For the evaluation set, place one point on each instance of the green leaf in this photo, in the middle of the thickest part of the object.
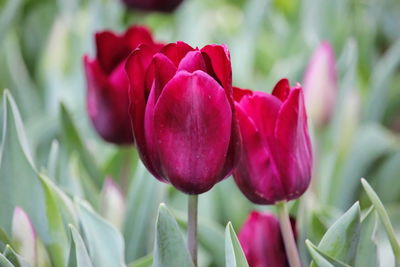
(7, 15)
(4, 262)
(320, 259)
(367, 249)
(384, 217)
(52, 160)
(74, 143)
(4, 237)
(341, 240)
(14, 258)
(19, 182)
(59, 247)
(140, 219)
(234, 255)
(146, 261)
(105, 243)
(170, 249)
(79, 256)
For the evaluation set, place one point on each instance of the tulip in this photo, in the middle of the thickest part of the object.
(262, 242)
(107, 84)
(113, 203)
(320, 85)
(276, 160)
(183, 114)
(24, 236)
(153, 5)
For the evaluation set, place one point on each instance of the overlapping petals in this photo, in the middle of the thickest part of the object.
(183, 114)
(276, 160)
(107, 83)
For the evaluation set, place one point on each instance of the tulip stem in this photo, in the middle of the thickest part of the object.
(192, 227)
(288, 236)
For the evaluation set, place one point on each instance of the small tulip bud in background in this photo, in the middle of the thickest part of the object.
(183, 117)
(107, 84)
(276, 161)
(320, 85)
(153, 5)
(24, 236)
(113, 203)
(262, 242)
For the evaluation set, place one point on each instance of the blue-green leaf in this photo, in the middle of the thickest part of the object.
(234, 255)
(170, 249)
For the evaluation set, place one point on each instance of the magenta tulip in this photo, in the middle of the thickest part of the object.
(183, 114)
(276, 160)
(153, 5)
(107, 83)
(262, 242)
(320, 85)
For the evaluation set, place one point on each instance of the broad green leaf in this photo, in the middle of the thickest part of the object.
(58, 249)
(74, 143)
(19, 182)
(320, 259)
(79, 256)
(341, 240)
(384, 217)
(105, 243)
(170, 249)
(4, 262)
(367, 248)
(210, 236)
(140, 219)
(146, 261)
(234, 255)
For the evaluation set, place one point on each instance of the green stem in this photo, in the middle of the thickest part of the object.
(288, 236)
(192, 227)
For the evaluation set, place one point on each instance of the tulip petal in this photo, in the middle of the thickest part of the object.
(217, 56)
(136, 66)
(159, 72)
(256, 174)
(176, 51)
(262, 242)
(192, 61)
(292, 146)
(192, 123)
(112, 49)
(282, 89)
(162, 70)
(239, 93)
(263, 109)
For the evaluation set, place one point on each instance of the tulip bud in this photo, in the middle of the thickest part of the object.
(262, 242)
(320, 85)
(153, 5)
(113, 203)
(276, 159)
(107, 84)
(24, 236)
(183, 117)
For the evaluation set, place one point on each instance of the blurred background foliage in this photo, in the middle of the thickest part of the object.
(41, 47)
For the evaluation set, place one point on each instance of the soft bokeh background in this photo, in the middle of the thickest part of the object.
(41, 47)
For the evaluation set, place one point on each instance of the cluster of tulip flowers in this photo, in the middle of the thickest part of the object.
(193, 128)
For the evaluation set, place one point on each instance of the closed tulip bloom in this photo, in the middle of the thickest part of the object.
(183, 114)
(262, 242)
(276, 159)
(153, 5)
(107, 84)
(320, 85)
